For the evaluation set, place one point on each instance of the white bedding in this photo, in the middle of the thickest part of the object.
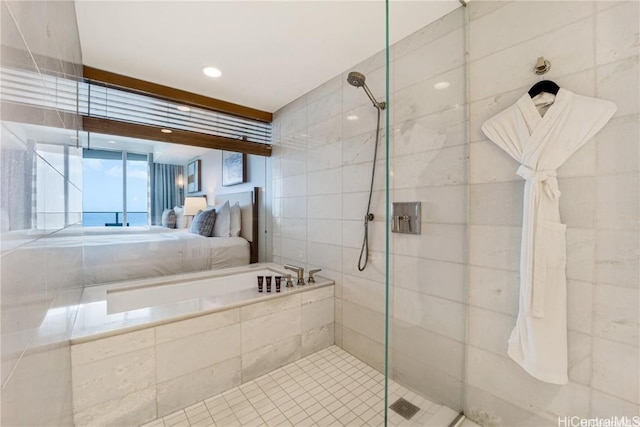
(114, 255)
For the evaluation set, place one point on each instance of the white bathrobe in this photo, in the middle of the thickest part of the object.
(541, 144)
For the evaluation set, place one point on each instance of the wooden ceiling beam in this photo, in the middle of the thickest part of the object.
(154, 133)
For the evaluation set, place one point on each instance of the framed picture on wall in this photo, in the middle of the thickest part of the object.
(233, 168)
(193, 176)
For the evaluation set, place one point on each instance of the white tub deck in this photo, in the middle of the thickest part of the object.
(112, 309)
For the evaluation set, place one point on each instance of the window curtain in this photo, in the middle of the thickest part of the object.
(165, 192)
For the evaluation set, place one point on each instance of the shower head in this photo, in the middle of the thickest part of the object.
(357, 79)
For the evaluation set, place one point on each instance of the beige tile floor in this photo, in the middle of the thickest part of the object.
(327, 388)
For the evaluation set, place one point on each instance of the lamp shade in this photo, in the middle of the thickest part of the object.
(194, 204)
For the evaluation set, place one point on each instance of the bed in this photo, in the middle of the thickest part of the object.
(111, 255)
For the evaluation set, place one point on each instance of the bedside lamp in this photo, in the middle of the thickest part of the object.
(194, 204)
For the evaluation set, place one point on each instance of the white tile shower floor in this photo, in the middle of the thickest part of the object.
(328, 388)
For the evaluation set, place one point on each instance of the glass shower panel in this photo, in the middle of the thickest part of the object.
(427, 273)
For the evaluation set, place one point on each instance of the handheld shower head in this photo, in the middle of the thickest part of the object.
(357, 79)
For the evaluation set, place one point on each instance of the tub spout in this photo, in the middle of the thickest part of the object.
(299, 271)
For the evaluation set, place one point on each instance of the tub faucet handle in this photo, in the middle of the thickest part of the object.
(311, 273)
(289, 281)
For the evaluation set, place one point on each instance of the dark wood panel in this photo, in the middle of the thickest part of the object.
(177, 95)
(134, 130)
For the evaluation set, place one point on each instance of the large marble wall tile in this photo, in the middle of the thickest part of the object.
(419, 65)
(438, 278)
(496, 203)
(133, 409)
(196, 325)
(617, 146)
(429, 33)
(363, 321)
(491, 411)
(616, 314)
(495, 246)
(617, 258)
(180, 356)
(618, 202)
(324, 157)
(497, 375)
(510, 68)
(185, 390)
(618, 82)
(317, 339)
(112, 378)
(265, 308)
(617, 34)
(265, 330)
(489, 330)
(326, 256)
(579, 355)
(364, 348)
(428, 348)
(271, 356)
(612, 369)
(579, 297)
(428, 381)
(489, 33)
(93, 351)
(605, 406)
(494, 289)
(317, 314)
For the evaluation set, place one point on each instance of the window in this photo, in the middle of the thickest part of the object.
(115, 188)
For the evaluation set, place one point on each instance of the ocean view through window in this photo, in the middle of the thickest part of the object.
(115, 183)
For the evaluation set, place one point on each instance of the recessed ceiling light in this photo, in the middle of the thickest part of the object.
(212, 72)
(184, 108)
(352, 117)
(441, 85)
(112, 142)
(166, 130)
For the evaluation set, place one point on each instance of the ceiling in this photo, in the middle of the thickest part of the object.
(269, 52)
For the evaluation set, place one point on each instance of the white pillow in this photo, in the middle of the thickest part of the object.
(222, 227)
(236, 220)
(181, 219)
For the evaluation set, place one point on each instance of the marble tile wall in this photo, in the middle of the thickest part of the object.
(139, 376)
(41, 194)
(593, 48)
(323, 159)
(454, 288)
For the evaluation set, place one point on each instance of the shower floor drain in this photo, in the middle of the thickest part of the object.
(405, 408)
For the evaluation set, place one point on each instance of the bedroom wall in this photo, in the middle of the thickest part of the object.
(41, 177)
(258, 168)
(471, 240)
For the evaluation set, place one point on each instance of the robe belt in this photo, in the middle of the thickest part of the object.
(549, 182)
(545, 177)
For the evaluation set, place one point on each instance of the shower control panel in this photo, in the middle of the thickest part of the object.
(406, 217)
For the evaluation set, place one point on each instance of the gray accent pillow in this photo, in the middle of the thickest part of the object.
(168, 218)
(203, 223)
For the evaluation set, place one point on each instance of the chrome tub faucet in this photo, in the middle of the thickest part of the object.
(299, 271)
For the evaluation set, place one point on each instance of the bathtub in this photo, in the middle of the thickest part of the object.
(145, 348)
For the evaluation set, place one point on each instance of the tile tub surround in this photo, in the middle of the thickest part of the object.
(135, 377)
(94, 321)
(327, 388)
